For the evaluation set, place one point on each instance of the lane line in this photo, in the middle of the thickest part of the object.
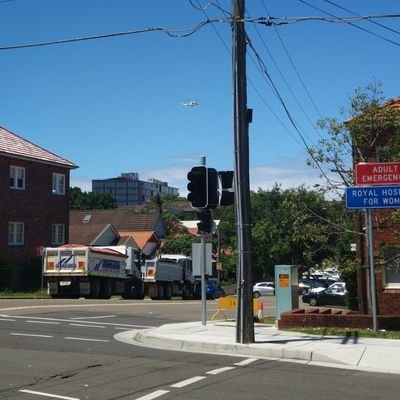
(30, 335)
(44, 322)
(153, 395)
(8, 319)
(219, 370)
(88, 322)
(85, 339)
(188, 382)
(88, 326)
(246, 362)
(100, 316)
(54, 396)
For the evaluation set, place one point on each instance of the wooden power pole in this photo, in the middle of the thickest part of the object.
(245, 321)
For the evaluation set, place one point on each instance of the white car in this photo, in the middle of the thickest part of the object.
(263, 289)
(339, 286)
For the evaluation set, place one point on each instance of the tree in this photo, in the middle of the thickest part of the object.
(79, 200)
(367, 121)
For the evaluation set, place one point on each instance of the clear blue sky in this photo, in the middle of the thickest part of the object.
(114, 105)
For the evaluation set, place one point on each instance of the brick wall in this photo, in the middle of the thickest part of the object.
(326, 317)
(36, 206)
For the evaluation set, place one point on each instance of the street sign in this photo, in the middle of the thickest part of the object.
(362, 197)
(378, 173)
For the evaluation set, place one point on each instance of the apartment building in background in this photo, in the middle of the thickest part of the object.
(129, 190)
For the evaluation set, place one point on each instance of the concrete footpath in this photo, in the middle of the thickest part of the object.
(219, 337)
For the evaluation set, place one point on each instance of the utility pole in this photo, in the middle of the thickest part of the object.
(245, 322)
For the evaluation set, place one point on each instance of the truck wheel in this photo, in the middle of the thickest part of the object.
(106, 289)
(167, 291)
(186, 292)
(95, 288)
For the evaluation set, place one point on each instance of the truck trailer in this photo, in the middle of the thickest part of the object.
(93, 272)
(167, 276)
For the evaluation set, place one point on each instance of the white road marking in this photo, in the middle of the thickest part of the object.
(100, 316)
(44, 322)
(246, 362)
(31, 335)
(8, 319)
(86, 322)
(188, 382)
(88, 326)
(54, 396)
(219, 370)
(85, 339)
(153, 395)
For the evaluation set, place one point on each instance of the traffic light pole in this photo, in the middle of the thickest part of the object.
(245, 322)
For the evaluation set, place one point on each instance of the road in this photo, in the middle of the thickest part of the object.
(64, 349)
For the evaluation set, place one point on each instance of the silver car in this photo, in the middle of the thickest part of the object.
(263, 289)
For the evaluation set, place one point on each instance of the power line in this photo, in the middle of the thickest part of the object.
(294, 66)
(345, 20)
(369, 20)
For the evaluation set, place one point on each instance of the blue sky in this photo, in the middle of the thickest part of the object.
(114, 105)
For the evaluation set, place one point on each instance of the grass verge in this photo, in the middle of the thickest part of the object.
(38, 294)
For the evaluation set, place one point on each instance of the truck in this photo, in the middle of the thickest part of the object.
(169, 275)
(93, 271)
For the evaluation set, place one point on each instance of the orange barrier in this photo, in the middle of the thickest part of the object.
(230, 303)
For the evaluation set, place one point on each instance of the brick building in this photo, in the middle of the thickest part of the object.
(34, 200)
(386, 237)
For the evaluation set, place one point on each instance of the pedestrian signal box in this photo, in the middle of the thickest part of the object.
(286, 289)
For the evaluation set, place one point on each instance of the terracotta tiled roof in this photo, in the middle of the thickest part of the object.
(395, 103)
(142, 238)
(123, 219)
(15, 146)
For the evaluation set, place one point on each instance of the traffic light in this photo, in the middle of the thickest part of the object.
(227, 193)
(198, 187)
(206, 223)
(212, 186)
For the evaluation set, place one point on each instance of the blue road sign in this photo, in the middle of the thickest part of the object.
(361, 197)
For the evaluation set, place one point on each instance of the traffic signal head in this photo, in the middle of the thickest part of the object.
(227, 193)
(198, 187)
(212, 188)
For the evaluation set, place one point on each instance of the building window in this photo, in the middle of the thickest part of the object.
(58, 234)
(17, 177)
(58, 184)
(15, 233)
(391, 270)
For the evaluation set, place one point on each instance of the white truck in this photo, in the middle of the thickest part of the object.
(167, 276)
(93, 272)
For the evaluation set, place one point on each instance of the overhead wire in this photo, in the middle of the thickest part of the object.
(351, 23)
(369, 20)
(293, 65)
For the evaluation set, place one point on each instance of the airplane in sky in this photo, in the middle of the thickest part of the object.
(190, 103)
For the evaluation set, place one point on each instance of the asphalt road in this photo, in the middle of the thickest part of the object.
(64, 349)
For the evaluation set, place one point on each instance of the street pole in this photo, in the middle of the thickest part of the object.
(371, 270)
(245, 322)
(203, 268)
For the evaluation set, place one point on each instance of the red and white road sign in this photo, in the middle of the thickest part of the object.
(376, 174)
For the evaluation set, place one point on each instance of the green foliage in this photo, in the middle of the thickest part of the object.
(79, 200)
(179, 245)
(296, 226)
(362, 124)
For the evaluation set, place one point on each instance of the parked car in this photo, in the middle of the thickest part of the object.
(306, 286)
(213, 290)
(336, 285)
(263, 289)
(325, 297)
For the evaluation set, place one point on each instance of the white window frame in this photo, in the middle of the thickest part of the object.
(17, 177)
(16, 233)
(57, 234)
(58, 186)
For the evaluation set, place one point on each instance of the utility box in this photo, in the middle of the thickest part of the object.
(286, 288)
